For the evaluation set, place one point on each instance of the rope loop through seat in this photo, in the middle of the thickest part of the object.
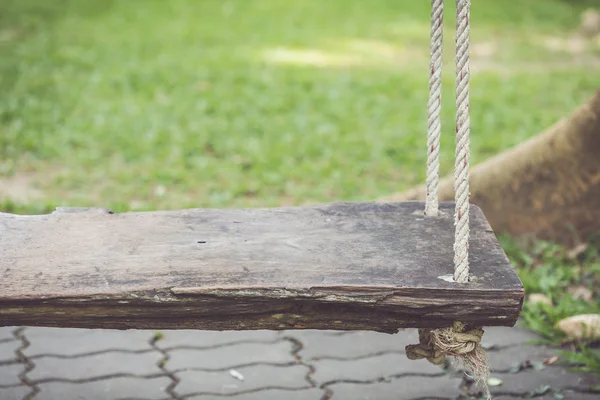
(455, 340)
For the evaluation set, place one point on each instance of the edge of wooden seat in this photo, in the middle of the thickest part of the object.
(332, 266)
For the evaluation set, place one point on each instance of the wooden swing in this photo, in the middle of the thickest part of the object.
(344, 266)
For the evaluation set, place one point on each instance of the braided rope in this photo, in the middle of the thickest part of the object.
(434, 106)
(457, 340)
(461, 171)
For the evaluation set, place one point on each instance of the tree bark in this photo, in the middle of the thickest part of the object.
(547, 187)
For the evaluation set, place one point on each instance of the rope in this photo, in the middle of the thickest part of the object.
(425, 349)
(435, 344)
(434, 106)
(461, 169)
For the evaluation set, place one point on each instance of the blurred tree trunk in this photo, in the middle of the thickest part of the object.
(547, 187)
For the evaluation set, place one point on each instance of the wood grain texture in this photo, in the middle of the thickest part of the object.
(373, 266)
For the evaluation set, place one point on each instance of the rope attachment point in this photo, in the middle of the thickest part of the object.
(458, 341)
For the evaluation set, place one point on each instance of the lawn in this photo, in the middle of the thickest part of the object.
(140, 105)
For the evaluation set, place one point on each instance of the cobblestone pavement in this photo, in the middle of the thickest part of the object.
(65, 364)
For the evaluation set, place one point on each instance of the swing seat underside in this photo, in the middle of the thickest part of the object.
(342, 266)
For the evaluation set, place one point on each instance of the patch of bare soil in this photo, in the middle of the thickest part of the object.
(21, 187)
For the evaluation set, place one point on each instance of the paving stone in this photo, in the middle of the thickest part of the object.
(95, 366)
(568, 395)
(195, 338)
(370, 368)
(7, 350)
(232, 356)
(115, 388)
(356, 344)
(325, 332)
(6, 332)
(503, 336)
(556, 377)
(67, 341)
(504, 359)
(272, 394)
(14, 393)
(255, 377)
(403, 388)
(9, 374)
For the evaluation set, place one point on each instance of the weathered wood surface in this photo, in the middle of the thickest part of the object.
(373, 266)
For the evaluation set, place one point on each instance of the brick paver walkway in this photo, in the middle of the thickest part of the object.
(65, 364)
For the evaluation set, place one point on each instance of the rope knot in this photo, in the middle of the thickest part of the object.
(425, 349)
(435, 344)
(454, 341)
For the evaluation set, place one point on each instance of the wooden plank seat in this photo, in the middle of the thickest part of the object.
(344, 266)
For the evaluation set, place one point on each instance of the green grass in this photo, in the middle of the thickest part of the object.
(551, 270)
(132, 104)
(255, 103)
(546, 268)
